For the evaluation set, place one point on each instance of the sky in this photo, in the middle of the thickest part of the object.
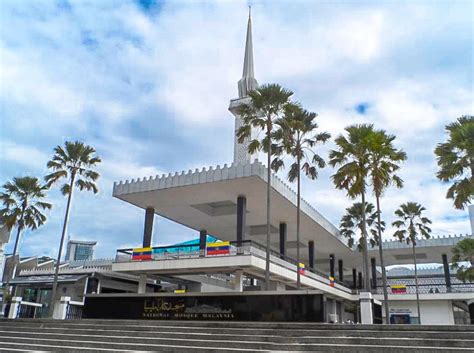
(148, 84)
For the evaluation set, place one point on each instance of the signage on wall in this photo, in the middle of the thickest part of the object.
(218, 248)
(140, 254)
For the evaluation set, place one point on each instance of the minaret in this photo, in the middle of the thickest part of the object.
(246, 84)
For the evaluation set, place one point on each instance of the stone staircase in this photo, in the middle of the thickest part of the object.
(192, 336)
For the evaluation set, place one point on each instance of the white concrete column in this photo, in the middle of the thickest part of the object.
(14, 307)
(142, 283)
(239, 281)
(60, 310)
(280, 287)
(331, 308)
(366, 315)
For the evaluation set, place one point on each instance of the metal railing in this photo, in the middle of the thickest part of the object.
(74, 310)
(427, 285)
(30, 310)
(245, 247)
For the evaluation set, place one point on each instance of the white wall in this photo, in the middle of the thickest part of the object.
(433, 312)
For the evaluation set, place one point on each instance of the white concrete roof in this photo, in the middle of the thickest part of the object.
(206, 199)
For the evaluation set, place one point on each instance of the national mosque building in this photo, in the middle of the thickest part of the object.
(220, 275)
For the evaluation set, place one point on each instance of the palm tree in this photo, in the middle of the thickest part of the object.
(23, 204)
(463, 252)
(266, 105)
(352, 223)
(384, 162)
(297, 137)
(456, 161)
(352, 157)
(74, 162)
(410, 224)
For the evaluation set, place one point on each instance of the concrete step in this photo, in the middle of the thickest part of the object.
(187, 336)
(262, 325)
(242, 340)
(142, 330)
(60, 345)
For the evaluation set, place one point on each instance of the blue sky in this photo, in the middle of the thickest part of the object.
(148, 84)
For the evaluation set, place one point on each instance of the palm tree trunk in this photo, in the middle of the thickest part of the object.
(13, 265)
(298, 206)
(364, 247)
(58, 261)
(15, 248)
(416, 285)
(269, 175)
(382, 265)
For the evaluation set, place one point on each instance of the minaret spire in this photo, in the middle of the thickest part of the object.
(248, 82)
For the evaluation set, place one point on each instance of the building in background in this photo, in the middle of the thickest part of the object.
(79, 250)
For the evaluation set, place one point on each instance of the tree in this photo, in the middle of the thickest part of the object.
(296, 135)
(352, 159)
(23, 205)
(266, 105)
(75, 163)
(384, 162)
(463, 253)
(456, 161)
(352, 223)
(410, 224)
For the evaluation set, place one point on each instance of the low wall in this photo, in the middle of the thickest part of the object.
(238, 307)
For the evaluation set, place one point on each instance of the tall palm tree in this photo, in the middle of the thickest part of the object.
(352, 223)
(352, 159)
(75, 163)
(297, 137)
(410, 224)
(266, 105)
(384, 162)
(456, 161)
(463, 252)
(23, 204)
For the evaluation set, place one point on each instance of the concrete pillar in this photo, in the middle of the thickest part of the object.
(283, 235)
(148, 228)
(241, 219)
(340, 267)
(202, 242)
(311, 254)
(471, 312)
(14, 307)
(447, 275)
(354, 278)
(60, 310)
(366, 315)
(331, 265)
(142, 283)
(374, 272)
(331, 311)
(361, 283)
(280, 287)
(239, 281)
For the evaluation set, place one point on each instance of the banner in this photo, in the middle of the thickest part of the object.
(141, 254)
(301, 268)
(398, 288)
(218, 248)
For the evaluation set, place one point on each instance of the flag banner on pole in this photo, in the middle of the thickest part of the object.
(398, 288)
(218, 248)
(141, 254)
(331, 281)
(301, 268)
